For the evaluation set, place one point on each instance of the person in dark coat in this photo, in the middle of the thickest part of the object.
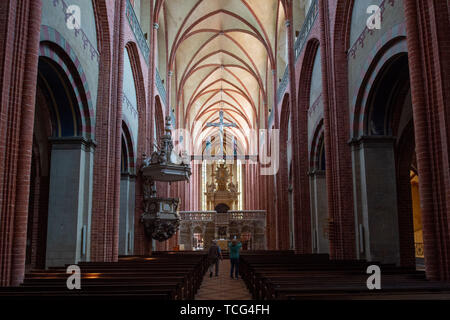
(214, 255)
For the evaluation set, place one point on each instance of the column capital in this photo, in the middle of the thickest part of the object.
(372, 141)
(72, 143)
(287, 23)
(156, 26)
(316, 173)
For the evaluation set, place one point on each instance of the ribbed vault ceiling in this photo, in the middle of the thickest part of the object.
(221, 53)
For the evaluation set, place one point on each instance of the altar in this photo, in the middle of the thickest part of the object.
(222, 244)
(222, 191)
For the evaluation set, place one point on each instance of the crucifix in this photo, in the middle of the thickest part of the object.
(221, 125)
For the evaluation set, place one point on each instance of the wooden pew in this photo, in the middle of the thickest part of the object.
(315, 276)
(163, 276)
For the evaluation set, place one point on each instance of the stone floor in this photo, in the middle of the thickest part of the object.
(222, 287)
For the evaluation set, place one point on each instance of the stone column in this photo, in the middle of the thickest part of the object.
(105, 213)
(197, 193)
(19, 46)
(319, 212)
(336, 133)
(123, 223)
(69, 205)
(275, 213)
(427, 25)
(168, 93)
(377, 216)
(131, 212)
(127, 208)
(291, 217)
(301, 197)
(282, 199)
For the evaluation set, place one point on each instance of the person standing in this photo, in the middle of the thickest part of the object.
(234, 247)
(214, 255)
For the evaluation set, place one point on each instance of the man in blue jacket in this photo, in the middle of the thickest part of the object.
(234, 247)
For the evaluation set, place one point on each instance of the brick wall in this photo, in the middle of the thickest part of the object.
(19, 48)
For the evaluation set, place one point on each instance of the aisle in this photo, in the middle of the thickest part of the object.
(222, 287)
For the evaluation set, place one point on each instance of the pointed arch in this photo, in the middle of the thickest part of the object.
(128, 154)
(56, 48)
(138, 76)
